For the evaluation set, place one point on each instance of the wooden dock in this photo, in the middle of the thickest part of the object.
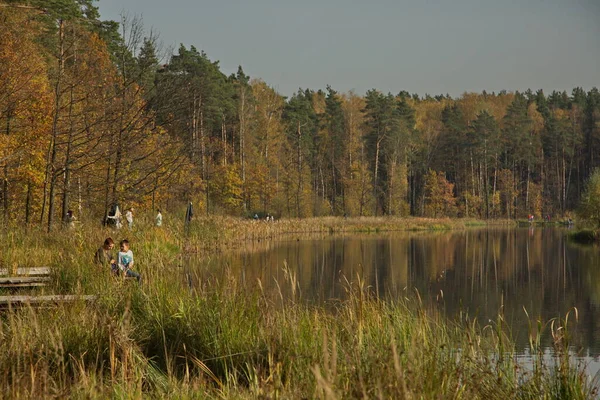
(33, 278)
(24, 278)
(37, 271)
(23, 281)
(48, 300)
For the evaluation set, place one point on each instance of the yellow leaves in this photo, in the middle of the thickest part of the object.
(260, 187)
(226, 185)
(428, 116)
(561, 114)
(24, 94)
(536, 118)
(439, 195)
(352, 106)
(471, 104)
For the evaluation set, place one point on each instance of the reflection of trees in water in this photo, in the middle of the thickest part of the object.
(479, 271)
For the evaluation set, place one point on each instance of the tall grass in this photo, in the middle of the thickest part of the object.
(165, 339)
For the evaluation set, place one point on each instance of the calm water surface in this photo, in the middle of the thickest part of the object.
(474, 271)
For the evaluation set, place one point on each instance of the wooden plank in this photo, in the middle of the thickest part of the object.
(36, 271)
(22, 285)
(23, 279)
(15, 301)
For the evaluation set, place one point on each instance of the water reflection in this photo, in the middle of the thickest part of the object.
(478, 271)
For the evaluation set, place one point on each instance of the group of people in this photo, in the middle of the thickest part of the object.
(530, 218)
(114, 217)
(122, 264)
(269, 217)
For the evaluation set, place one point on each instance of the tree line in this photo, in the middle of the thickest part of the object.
(91, 114)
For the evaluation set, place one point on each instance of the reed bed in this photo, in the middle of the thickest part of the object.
(224, 232)
(166, 339)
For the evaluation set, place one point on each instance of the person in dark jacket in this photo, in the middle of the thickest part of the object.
(104, 256)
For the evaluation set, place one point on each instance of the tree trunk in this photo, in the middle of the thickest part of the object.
(242, 121)
(391, 177)
(117, 166)
(527, 189)
(472, 175)
(299, 185)
(375, 180)
(67, 165)
(53, 145)
(203, 149)
(224, 141)
(194, 143)
(485, 183)
(107, 178)
(28, 203)
(363, 181)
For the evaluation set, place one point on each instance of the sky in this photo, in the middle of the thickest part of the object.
(422, 46)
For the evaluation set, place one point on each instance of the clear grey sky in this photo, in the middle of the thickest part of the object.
(423, 46)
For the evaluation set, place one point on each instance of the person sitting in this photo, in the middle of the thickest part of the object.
(104, 255)
(125, 261)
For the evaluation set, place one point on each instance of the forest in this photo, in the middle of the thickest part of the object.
(93, 113)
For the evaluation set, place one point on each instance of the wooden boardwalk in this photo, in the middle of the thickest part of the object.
(23, 281)
(47, 300)
(32, 278)
(37, 271)
(25, 277)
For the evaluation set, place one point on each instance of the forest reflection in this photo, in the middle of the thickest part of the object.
(477, 271)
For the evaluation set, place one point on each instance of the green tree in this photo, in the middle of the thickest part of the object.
(335, 150)
(195, 104)
(383, 138)
(520, 144)
(243, 100)
(589, 207)
(452, 153)
(358, 191)
(147, 61)
(592, 129)
(484, 141)
(301, 123)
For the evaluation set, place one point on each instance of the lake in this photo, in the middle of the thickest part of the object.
(479, 271)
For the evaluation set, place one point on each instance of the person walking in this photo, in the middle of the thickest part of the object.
(70, 219)
(129, 217)
(114, 217)
(159, 218)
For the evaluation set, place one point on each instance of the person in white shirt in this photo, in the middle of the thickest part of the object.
(158, 218)
(114, 217)
(129, 217)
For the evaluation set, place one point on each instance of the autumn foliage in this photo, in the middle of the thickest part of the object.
(90, 116)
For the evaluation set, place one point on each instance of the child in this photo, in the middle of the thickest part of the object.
(125, 261)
